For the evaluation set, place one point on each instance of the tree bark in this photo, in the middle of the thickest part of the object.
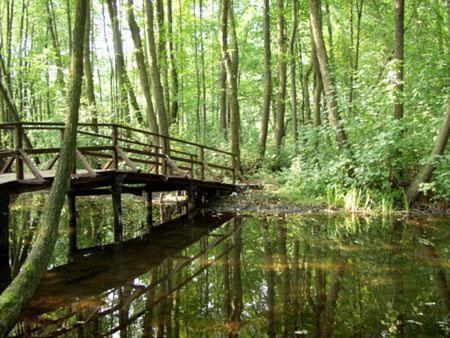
(281, 104)
(305, 92)
(231, 82)
(294, 74)
(15, 297)
(173, 66)
(162, 54)
(328, 82)
(267, 81)
(123, 82)
(318, 86)
(142, 69)
(399, 56)
(154, 70)
(55, 43)
(87, 67)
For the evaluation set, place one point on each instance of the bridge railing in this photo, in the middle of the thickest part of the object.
(110, 146)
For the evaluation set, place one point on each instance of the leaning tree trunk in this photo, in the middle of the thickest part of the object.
(15, 297)
(328, 83)
(267, 82)
(426, 171)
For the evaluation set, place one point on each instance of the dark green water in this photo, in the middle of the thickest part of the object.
(247, 276)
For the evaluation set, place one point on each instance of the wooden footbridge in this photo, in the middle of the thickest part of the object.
(108, 152)
(111, 159)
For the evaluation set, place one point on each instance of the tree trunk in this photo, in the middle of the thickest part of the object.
(305, 92)
(281, 104)
(162, 54)
(15, 297)
(231, 81)
(55, 43)
(399, 53)
(318, 86)
(123, 82)
(143, 75)
(293, 72)
(330, 90)
(267, 81)
(87, 67)
(173, 66)
(154, 70)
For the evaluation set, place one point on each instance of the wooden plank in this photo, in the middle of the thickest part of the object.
(85, 163)
(124, 157)
(24, 156)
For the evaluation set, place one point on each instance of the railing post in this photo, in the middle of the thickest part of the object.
(115, 142)
(202, 164)
(191, 171)
(19, 145)
(233, 163)
(164, 152)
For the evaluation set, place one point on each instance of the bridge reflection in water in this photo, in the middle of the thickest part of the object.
(121, 283)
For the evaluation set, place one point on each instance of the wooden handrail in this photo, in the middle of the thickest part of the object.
(113, 142)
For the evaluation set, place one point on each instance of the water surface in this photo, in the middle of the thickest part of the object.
(247, 276)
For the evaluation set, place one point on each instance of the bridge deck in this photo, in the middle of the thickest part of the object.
(134, 182)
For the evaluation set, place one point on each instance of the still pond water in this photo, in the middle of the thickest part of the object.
(247, 276)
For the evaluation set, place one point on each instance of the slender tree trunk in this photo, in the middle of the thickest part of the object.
(53, 33)
(231, 81)
(173, 65)
(267, 81)
(162, 54)
(197, 77)
(293, 72)
(154, 70)
(87, 67)
(223, 101)
(202, 69)
(305, 91)
(143, 74)
(281, 104)
(328, 82)
(15, 297)
(399, 56)
(318, 86)
(123, 82)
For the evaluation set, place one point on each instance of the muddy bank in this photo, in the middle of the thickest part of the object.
(257, 201)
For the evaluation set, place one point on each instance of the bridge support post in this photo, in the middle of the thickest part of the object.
(190, 202)
(149, 209)
(72, 209)
(5, 269)
(117, 211)
(19, 145)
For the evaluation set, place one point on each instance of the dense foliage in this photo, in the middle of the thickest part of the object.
(384, 153)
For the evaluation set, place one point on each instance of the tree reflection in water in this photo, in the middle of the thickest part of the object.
(227, 276)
